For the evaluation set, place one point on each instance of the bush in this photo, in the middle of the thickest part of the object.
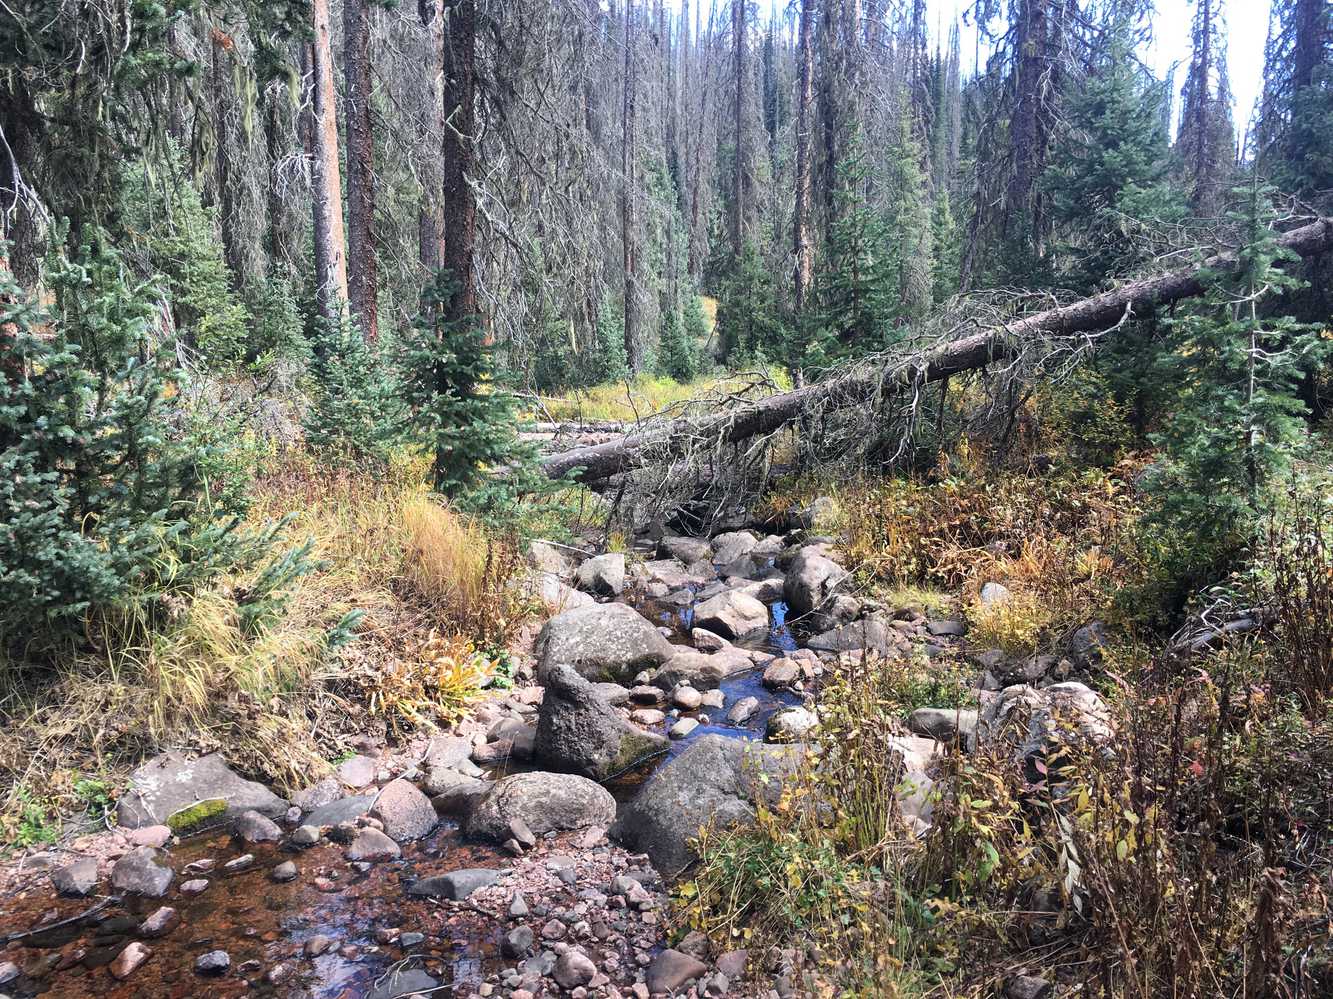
(677, 354)
(355, 416)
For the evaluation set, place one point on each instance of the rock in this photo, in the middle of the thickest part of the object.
(743, 710)
(160, 922)
(732, 614)
(154, 836)
(129, 960)
(317, 945)
(196, 886)
(547, 802)
(602, 642)
(686, 698)
(518, 943)
(701, 671)
(455, 885)
(612, 693)
(791, 724)
(729, 547)
(453, 793)
(1028, 723)
(405, 812)
(1027, 987)
(358, 772)
(781, 674)
(518, 905)
(343, 810)
(327, 790)
(946, 629)
(733, 963)
(305, 836)
(647, 717)
(1086, 644)
(400, 982)
(686, 550)
(284, 872)
(212, 964)
(993, 594)
(874, 633)
(945, 724)
(671, 969)
(707, 641)
(683, 728)
(9, 971)
(811, 578)
(715, 779)
(714, 699)
(255, 828)
(603, 575)
(445, 753)
(573, 968)
(171, 784)
(555, 594)
(139, 872)
(77, 879)
(552, 559)
(371, 844)
(579, 732)
(242, 863)
(1027, 670)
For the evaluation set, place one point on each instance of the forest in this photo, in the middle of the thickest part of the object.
(679, 498)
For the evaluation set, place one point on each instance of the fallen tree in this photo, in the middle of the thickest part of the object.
(1084, 318)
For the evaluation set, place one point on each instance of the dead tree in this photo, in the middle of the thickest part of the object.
(362, 277)
(326, 182)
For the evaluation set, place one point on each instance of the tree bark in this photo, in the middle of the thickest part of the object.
(804, 101)
(627, 195)
(460, 202)
(362, 276)
(738, 127)
(1089, 315)
(326, 182)
(429, 236)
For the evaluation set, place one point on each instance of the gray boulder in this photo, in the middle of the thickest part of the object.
(700, 670)
(342, 810)
(140, 872)
(732, 615)
(686, 550)
(452, 793)
(603, 575)
(1027, 723)
(811, 579)
(77, 879)
(579, 732)
(715, 780)
(546, 802)
(255, 828)
(945, 724)
(729, 547)
(172, 782)
(405, 812)
(456, 885)
(552, 560)
(602, 642)
(874, 633)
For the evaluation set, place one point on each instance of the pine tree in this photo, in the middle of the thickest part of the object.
(749, 328)
(677, 352)
(1206, 140)
(355, 415)
(1295, 130)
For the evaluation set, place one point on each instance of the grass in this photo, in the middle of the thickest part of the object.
(646, 395)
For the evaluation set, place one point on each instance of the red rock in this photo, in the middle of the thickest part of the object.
(161, 922)
(128, 961)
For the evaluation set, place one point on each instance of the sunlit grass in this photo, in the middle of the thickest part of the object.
(645, 395)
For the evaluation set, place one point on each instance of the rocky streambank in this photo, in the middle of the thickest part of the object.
(527, 853)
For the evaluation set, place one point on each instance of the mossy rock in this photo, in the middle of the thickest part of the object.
(194, 817)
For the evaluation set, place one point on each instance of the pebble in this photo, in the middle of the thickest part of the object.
(161, 922)
(215, 962)
(317, 945)
(196, 886)
(129, 960)
(241, 863)
(284, 872)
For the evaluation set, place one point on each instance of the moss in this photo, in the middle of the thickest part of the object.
(193, 817)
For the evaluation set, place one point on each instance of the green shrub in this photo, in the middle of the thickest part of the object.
(355, 416)
(678, 354)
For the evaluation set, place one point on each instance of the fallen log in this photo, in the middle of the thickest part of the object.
(1084, 317)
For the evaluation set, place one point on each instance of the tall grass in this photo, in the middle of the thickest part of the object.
(642, 396)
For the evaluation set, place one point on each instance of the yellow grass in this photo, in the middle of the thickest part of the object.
(646, 395)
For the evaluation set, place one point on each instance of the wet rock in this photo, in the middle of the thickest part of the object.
(811, 579)
(701, 671)
(707, 641)
(372, 845)
(547, 802)
(732, 614)
(212, 964)
(456, 885)
(196, 886)
(782, 674)
(306, 835)
(154, 836)
(743, 710)
(317, 945)
(791, 724)
(683, 728)
(280, 973)
(284, 872)
(411, 940)
(645, 694)
(343, 810)
(647, 717)
(603, 575)
(130, 960)
(671, 969)
(731, 546)
(1027, 987)
(579, 732)
(944, 724)
(140, 872)
(405, 812)
(603, 642)
(713, 699)
(686, 698)
(573, 968)
(9, 971)
(255, 828)
(160, 922)
(715, 778)
(173, 783)
(518, 943)
(77, 879)
(453, 793)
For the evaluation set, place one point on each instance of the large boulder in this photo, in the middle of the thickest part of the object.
(404, 811)
(602, 642)
(874, 633)
(715, 780)
(1029, 724)
(578, 730)
(811, 579)
(546, 802)
(603, 575)
(172, 783)
(729, 547)
(732, 615)
(686, 550)
(701, 670)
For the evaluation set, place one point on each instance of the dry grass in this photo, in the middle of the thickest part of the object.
(646, 395)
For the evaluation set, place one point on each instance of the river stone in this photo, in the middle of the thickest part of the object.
(781, 674)
(343, 810)
(579, 732)
(318, 794)
(743, 710)
(215, 962)
(683, 728)
(140, 873)
(9, 971)
(602, 642)
(160, 922)
(129, 960)
(358, 772)
(729, 547)
(573, 968)
(812, 578)
(172, 782)
(401, 982)
(686, 550)
(603, 575)
(707, 641)
(732, 614)
(701, 670)
(549, 558)
(873, 633)
(686, 698)
(518, 943)
(945, 724)
(371, 844)
(946, 629)
(1086, 645)
(255, 828)
(284, 872)
(456, 885)
(647, 717)
(1027, 723)
(791, 724)
(715, 779)
(405, 812)
(670, 573)
(77, 879)
(556, 594)
(547, 802)
(671, 969)
(454, 793)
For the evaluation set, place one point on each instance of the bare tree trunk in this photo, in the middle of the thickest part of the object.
(428, 215)
(804, 100)
(738, 173)
(460, 201)
(282, 229)
(1097, 313)
(225, 142)
(362, 279)
(627, 196)
(326, 182)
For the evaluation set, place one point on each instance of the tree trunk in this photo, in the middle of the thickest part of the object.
(460, 202)
(804, 101)
(326, 182)
(362, 278)
(738, 127)
(428, 215)
(627, 195)
(1089, 315)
